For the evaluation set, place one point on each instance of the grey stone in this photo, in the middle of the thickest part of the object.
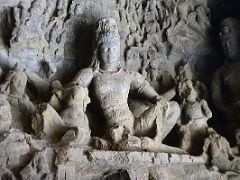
(74, 105)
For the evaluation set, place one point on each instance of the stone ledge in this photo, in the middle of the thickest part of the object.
(142, 157)
(79, 163)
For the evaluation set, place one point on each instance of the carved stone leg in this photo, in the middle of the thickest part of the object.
(170, 119)
(162, 116)
(119, 131)
(120, 124)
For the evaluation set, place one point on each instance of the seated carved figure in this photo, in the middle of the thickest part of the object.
(225, 84)
(195, 114)
(110, 86)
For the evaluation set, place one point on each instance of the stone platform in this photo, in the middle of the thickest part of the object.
(74, 163)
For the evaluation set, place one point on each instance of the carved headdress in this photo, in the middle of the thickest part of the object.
(106, 31)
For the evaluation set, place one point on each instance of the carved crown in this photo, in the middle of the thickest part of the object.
(107, 29)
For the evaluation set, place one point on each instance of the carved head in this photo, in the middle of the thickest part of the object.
(107, 50)
(15, 83)
(187, 91)
(230, 38)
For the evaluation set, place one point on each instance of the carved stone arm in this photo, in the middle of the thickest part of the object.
(206, 109)
(83, 78)
(147, 91)
(169, 94)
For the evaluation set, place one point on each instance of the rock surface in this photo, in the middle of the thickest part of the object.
(99, 89)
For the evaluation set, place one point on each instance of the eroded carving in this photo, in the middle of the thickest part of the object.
(111, 85)
(38, 168)
(195, 114)
(22, 108)
(225, 88)
(110, 99)
(218, 152)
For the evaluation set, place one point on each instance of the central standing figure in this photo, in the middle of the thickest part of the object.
(110, 86)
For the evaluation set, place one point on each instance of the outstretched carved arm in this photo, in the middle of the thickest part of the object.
(206, 110)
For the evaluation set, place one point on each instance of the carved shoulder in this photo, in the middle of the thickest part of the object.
(136, 77)
(83, 77)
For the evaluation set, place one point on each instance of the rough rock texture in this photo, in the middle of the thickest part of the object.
(133, 165)
(48, 36)
(123, 97)
(5, 114)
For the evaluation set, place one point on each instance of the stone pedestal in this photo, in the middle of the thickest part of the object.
(75, 163)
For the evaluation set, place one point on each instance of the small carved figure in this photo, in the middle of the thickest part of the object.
(74, 116)
(71, 124)
(110, 84)
(195, 114)
(184, 73)
(22, 108)
(57, 95)
(225, 83)
(217, 152)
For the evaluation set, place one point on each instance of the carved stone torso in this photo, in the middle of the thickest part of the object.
(195, 116)
(111, 89)
(111, 92)
(231, 79)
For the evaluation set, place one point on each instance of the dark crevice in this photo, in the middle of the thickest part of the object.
(8, 22)
(68, 10)
(119, 175)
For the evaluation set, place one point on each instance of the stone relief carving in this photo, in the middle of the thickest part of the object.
(111, 85)
(224, 85)
(195, 114)
(120, 112)
(220, 154)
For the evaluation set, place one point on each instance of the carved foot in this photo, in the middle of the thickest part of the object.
(151, 145)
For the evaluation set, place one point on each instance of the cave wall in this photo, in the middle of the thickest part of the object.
(51, 37)
(54, 39)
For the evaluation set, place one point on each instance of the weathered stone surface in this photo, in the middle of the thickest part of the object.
(37, 168)
(221, 154)
(5, 114)
(143, 165)
(48, 124)
(126, 102)
(6, 174)
(13, 144)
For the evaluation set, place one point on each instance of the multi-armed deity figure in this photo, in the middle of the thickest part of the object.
(110, 85)
(225, 85)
